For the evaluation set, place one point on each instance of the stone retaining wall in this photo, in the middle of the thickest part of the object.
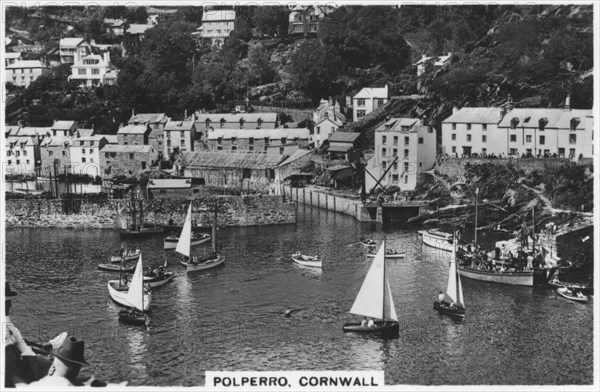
(309, 196)
(79, 213)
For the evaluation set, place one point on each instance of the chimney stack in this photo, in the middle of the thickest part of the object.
(185, 116)
(454, 110)
(568, 102)
(132, 112)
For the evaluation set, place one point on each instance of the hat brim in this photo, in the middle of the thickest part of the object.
(68, 361)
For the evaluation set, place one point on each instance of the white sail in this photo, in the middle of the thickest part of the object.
(135, 294)
(461, 300)
(454, 289)
(390, 309)
(370, 298)
(185, 239)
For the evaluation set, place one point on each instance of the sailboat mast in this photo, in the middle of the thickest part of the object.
(533, 229)
(384, 282)
(476, 205)
(214, 227)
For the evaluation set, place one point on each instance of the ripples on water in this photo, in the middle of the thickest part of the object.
(231, 318)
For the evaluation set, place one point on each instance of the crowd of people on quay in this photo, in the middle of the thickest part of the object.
(32, 365)
(503, 260)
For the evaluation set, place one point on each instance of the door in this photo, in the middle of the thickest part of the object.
(143, 165)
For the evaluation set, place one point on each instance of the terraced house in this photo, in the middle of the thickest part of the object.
(85, 155)
(55, 154)
(22, 154)
(118, 159)
(257, 140)
(179, 136)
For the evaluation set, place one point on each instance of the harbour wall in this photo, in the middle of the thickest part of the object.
(101, 214)
(342, 205)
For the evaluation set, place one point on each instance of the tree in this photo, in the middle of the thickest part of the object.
(138, 15)
(315, 69)
(260, 68)
(271, 21)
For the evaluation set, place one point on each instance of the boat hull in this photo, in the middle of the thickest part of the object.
(117, 259)
(390, 256)
(564, 292)
(115, 268)
(388, 328)
(368, 245)
(442, 242)
(201, 266)
(524, 278)
(120, 297)
(585, 289)
(454, 312)
(171, 243)
(144, 232)
(308, 263)
(154, 282)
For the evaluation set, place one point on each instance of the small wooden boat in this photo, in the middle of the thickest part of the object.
(170, 243)
(518, 278)
(375, 300)
(453, 303)
(116, 268)
(584, 288)
(573, 295)
(128, 256)
(368, 242)
(437, 239)
(132, 316)
(204, 264)
(158, 277)
(307, 261)
(136, 295)
(389, 255)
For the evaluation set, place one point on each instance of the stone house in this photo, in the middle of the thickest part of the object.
(173, 188)
(289, 168)
(255, 140)
(208, 121)
(63, 128)
(368, 99)
(55, 154)
(305, 19)
(439, 62)
(134, 135)
(342, 143)
(179, 136)
(85, 155)
(118, 159)
(22, 154)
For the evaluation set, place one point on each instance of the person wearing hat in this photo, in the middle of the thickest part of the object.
(65, 368)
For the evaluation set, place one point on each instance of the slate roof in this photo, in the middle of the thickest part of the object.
(295, 156)
(215, 118)
(396, 124)
(235, 160)
(344, 137)
(170, 183)
(476, 115)
(64, 125)
(133, 129)
(148, 118)
(120, 148)
(556, 118)
(26, 64)
(173, 125)
(276, 133)
(372, 92)
(57, 141)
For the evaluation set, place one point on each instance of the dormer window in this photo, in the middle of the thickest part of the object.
(207, 123)
(241, 123)
(223, 123)
(514, 122)
(259, 123)
(234, 140)
(574, 123)
(542, 123)
(283, 140)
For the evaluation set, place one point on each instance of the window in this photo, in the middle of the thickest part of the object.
(528, 138)
(468, 138)
(383, 152)
(234, 140)
(131, 156)
(283, 140)
(219, 148)
(83, 160)
(484, 127)
(406, 140)
(395, 167)
(542, 139)
(513, 138)
(233, 148)
(259, 123)
(91, 150)
(484, 138)
(406, 179)
(513, 151)
(182, 144)
(50, 153)
(384, 165)
(24, 153)
(361, 113)
(241, 123)
(81, 143)
(395, 152)
(64, 153)
(420, 140)
(91, 143)
(514, 122)
(250, 148)
(542, 123)
(360, 102)
(91, 160)
(223, 123)
(454, 136)
(573, 139)
(81, 71)
(454, 149)
(266, 141)
(83, 150)
(484, 151)
(394, 177)
(251, 141)
(168, 142)
(168, 134)
(27, 161)
(95, 71)
(281, 149)
(182, 134)
(380, 101)
(571, 152)
(219, 141)
(383, 139)
(318, 130)
(405, 167)
(468, 126)
(395, 140)
(529, 151)
(406, 154)
(454, 126)
(106, 155)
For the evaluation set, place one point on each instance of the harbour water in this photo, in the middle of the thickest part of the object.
(232, 318)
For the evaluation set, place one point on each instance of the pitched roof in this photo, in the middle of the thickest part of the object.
(476, 115)
(57, 141)
(111, 139)
(170, 183)
(235, 118)
(397, 124)
(295, 156)
(372, 92)
(237, 160)
(135, 129)
(61, 124)
(276, 133)
(148, 118)
(12, 130)
(70, 41)
(336, 121)
(114, 22)
(12, 55)
(34, 131)
(90, 138)
(138, 28)
(344, 137)
(339, 147)
(556, 118)
(26, 64)
(28, 141)
(185, 125)
(85, 132)
(120, 148)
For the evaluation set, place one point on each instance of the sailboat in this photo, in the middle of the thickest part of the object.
(456, 306)
(375, 300)
(184, 245)
(136, 297)
(138, 229)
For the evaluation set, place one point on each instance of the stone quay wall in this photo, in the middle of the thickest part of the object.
(83, 213)
(311, 197)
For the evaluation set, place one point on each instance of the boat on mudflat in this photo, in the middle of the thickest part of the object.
(307, 261)
(573, 295)
(437, 239)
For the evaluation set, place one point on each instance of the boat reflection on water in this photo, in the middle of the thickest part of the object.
(137, 349)
(367, 351)
(309, 272)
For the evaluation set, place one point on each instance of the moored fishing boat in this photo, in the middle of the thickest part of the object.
(136, 229)
(518, 278)
(136, 296)
(555, 282)
(368, 242)
(191, 262)
(130, 255)
(158, 277)
(375, 300)
(307, 261)
(437, 239)
(389, 255)
(452, 303)
(573, 295)
(116, 268)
